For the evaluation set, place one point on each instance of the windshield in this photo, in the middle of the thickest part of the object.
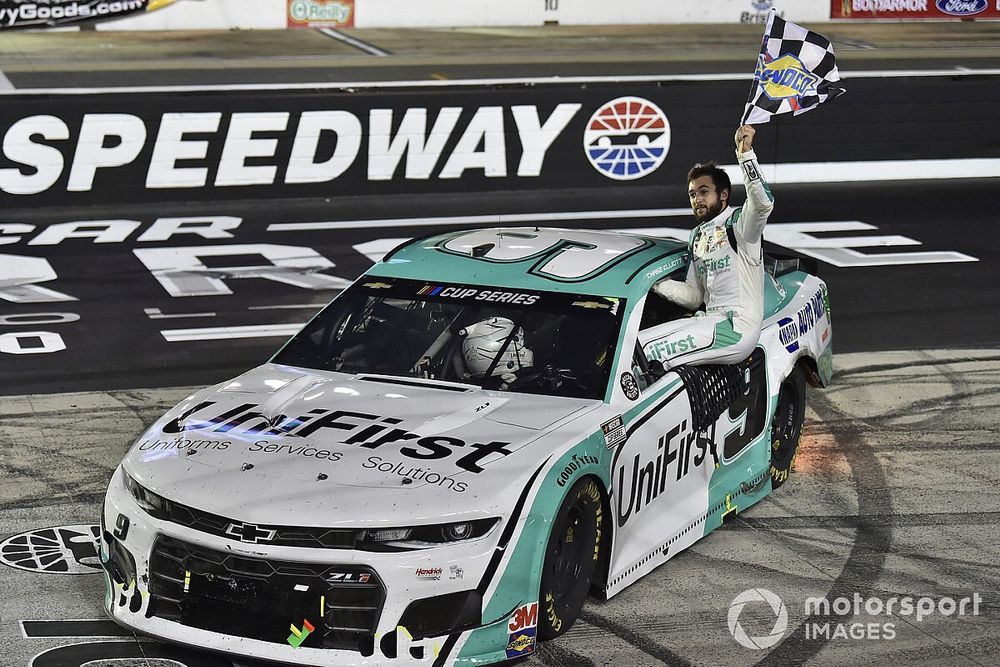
(548, 343)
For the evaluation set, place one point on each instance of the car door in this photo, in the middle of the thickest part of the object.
(660, 476)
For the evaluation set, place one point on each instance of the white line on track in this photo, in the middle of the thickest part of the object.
(874, 170)
(224, 333)
(356, 43)
(500, 219)
(434, 83)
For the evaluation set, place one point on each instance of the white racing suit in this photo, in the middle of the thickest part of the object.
(726, 273)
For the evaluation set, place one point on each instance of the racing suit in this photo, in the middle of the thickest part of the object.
(726, 273)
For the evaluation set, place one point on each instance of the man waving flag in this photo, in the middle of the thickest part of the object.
(795, 72)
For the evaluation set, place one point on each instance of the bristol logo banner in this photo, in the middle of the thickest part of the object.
(57, 550)
(627, 138)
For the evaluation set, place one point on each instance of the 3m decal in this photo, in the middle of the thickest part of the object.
(523, 630)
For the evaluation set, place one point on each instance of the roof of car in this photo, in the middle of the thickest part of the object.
(537, 258)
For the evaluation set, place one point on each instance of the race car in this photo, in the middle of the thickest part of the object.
(450, 456)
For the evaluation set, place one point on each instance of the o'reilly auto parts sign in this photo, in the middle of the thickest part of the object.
(138, 147)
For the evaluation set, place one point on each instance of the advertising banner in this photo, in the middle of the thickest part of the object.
(53, 13)
(915, 10)
(320, 13)
(244, 144)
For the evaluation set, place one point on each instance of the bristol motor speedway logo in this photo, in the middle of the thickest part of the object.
(627, 138)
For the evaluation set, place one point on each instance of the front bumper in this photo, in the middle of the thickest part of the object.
(308, 606)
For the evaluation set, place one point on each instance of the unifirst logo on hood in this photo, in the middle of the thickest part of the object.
(358, 429)
(216, 149)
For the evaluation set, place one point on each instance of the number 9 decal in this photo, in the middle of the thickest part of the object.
(565, 256)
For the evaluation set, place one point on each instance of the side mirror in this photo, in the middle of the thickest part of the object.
(656, 369)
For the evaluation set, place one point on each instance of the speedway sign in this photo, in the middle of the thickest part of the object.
(52, 13)
(97, 149)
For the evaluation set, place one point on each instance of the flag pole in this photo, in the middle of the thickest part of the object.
(747, 108)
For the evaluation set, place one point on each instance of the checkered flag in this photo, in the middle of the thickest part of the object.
(795, 72)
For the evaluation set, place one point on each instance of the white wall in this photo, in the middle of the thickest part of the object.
(206, 15)
(470, 13)
(263, 14)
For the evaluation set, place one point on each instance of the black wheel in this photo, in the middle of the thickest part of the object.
(786, 426)
(571, 556)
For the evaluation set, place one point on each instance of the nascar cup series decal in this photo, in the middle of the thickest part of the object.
(627, 138)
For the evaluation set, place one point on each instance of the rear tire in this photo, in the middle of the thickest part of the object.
(786, 426)
(571, 557)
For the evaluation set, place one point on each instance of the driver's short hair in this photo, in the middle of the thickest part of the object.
(719, 177)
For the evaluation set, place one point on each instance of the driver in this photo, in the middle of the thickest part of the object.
(726, 271)
(483, 343)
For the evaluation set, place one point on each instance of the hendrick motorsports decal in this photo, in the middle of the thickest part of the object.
(45, 13)
(630, 386)
(58, 550)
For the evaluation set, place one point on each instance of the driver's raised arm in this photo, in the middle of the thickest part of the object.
(760, 201)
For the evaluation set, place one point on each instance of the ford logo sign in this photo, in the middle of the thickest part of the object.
(962, 7)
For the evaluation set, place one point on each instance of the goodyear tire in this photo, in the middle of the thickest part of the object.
(571, 557)
(786, 426)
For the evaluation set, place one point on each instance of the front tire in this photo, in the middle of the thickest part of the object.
(786, 426)
(571, 557)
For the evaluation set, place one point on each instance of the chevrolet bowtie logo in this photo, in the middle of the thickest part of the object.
(252, 533)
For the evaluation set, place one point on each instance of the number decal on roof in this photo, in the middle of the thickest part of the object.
(566, 256)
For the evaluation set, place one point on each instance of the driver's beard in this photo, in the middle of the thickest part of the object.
(711, 212)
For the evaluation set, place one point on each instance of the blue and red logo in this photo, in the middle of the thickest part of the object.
(627, 138)
(962, 7)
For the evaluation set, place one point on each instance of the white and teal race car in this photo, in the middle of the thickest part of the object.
(444, 462)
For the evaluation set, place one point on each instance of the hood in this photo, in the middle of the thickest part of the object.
(290, 446)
